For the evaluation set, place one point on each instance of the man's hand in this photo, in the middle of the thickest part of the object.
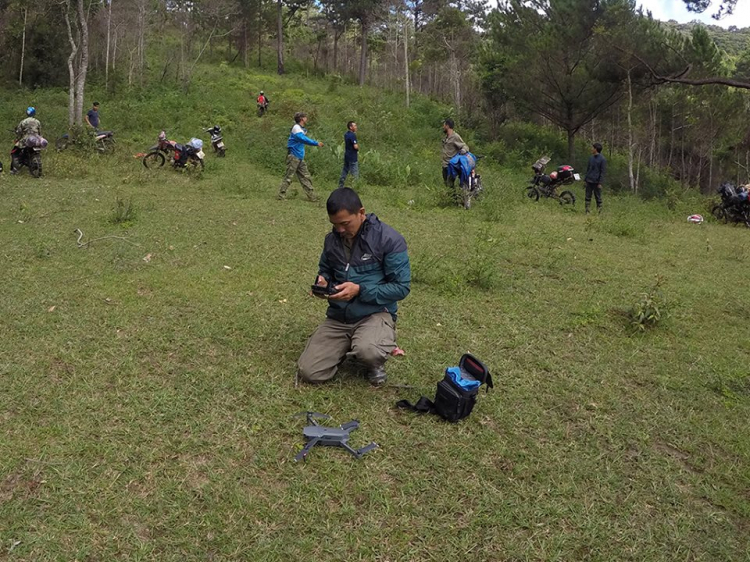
(599, 186)
(346, 292)
(320, 282)
(320, 143)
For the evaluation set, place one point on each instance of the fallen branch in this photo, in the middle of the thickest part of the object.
(85, 244)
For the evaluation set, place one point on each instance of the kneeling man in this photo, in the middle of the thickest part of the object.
(367, 264)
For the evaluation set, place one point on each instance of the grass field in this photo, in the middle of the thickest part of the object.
(147, 379)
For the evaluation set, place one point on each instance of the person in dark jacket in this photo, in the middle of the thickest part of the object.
(368, 264)
(595, 176)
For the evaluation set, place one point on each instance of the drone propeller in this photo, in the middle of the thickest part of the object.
(311, 416)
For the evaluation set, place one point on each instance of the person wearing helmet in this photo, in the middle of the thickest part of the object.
(263, 100)
(27, 127)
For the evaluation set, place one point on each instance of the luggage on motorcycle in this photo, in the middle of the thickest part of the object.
(564, 172)
(36, 141)
(197, 144)
(539, 165)
(727, 190)
(457, 392)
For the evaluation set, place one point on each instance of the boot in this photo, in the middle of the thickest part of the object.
(376, 376)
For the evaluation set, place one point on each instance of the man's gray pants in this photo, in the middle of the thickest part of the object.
(369, 341)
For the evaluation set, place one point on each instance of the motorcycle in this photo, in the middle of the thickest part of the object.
(734, 207)
(189, 156)
(217, 141)
(262, 108)
(464, 167)
(104, 142)
(546, 185)
(29, 155)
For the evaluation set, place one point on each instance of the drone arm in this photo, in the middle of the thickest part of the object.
(359, 453)
(350, 425)
(306, 449)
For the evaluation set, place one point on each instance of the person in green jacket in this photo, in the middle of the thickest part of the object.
(368, 264)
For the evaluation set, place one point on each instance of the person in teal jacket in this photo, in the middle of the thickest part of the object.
(295, 159)
(368, 264)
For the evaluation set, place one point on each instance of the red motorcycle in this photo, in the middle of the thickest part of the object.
(546, 185)
(188, 155)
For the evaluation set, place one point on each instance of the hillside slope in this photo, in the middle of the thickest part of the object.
(147, 379)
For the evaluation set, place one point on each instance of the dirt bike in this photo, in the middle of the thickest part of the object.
(29, 155)
(217, 141)
(546, 185)
(472, 188)
(157, 154)
(104, 142)
(262, 108)
(184, 156)
(733, 207)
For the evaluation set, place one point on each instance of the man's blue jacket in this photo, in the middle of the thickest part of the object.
(379, 264)
(297, 141)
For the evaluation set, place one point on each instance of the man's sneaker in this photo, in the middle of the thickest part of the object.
(377, 376)
(313, 198)
(281, 197)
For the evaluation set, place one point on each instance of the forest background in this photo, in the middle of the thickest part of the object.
(527, 77)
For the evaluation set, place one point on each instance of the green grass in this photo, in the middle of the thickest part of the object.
(145, 405)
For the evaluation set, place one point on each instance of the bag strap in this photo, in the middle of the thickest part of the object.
(423, 406)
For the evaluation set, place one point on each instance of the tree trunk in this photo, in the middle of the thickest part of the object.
(336, 36)
(106, 58)
(280, 38)
(571, 144)
(23, 45)
(71, 71)
(631, 147)
(363, 54)
(406, 59)
(260, 37)
(83, 63)
(244, 44)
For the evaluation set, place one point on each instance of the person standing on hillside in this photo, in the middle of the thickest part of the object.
(595, 176)
(351, 152)
(452, 144)
(92, 117)
(367, 264)
(295, 159)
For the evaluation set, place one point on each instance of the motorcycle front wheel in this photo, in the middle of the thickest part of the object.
(532, 193)
(567, 198)
(719, 213)
(153, 160)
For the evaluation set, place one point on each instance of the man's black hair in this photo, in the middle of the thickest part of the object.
(349, 124)
(343, 198)
(450, 123)
(96, 104)
(598, 147)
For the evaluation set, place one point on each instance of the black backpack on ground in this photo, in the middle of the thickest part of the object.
(452, 402)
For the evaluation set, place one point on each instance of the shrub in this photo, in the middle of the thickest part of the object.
(123, 212)
(649, 310)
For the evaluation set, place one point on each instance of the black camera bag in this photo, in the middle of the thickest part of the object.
(452, 402)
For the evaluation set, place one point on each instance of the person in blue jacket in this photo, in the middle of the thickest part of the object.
(295, 159)
(367, 263)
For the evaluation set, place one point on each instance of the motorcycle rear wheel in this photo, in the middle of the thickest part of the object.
(153, 160)
(221, 152)
(532, 193)
(35, 165)
(567, 198)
